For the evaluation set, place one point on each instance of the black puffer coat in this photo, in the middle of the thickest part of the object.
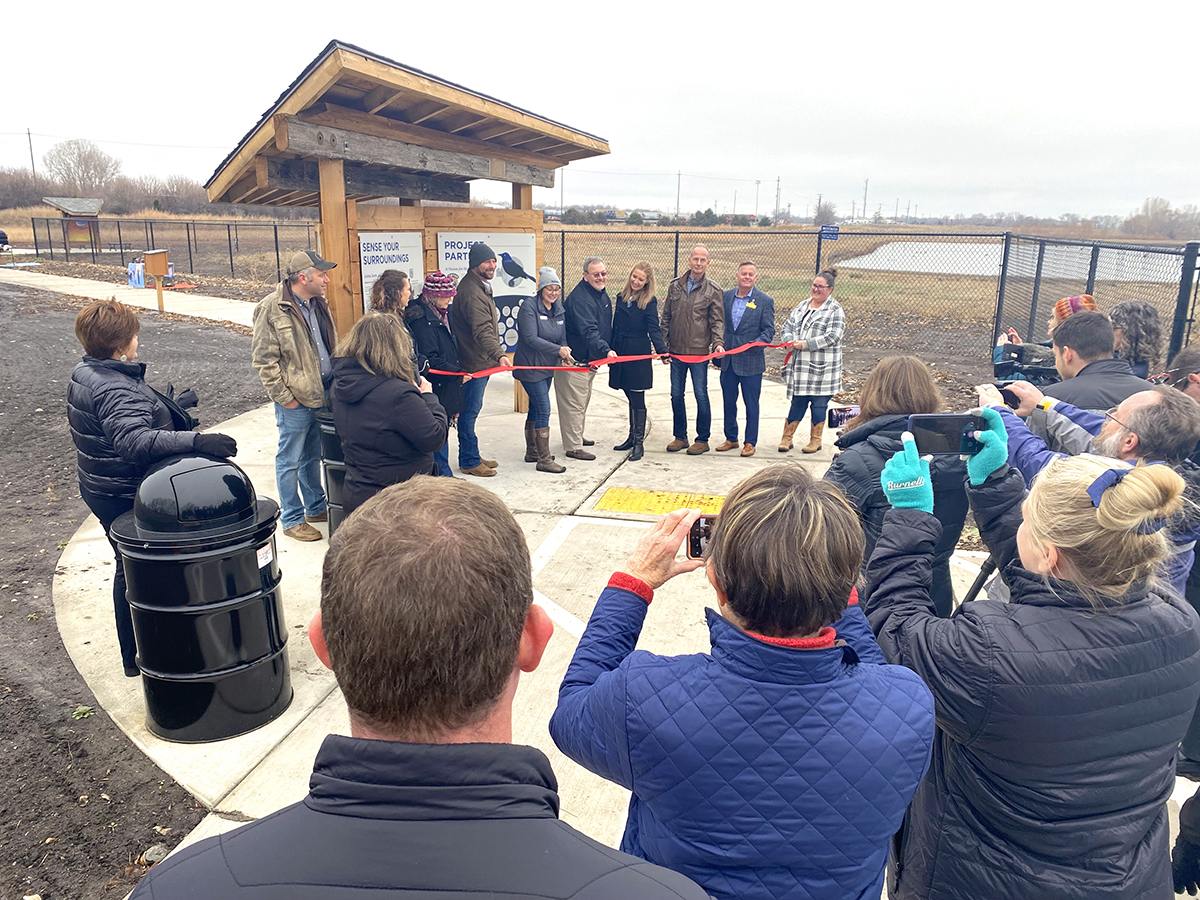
(119, 425)
(856, 469)
(435, 344)
(388, 428)
(1057, 725)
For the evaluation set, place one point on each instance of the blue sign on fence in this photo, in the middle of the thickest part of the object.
(829, 232)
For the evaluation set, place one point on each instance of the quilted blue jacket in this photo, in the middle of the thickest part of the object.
(758, 771)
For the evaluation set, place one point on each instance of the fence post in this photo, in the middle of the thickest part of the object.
(1037, 286)
(1003, 285)
(93, 235)
(818, 271)
(187, 230)
(1187, 277)
(676, 273)
(66, 242)
(562, 247)
(278, 265)
(153, 245)
(120, 242)
(229, 238)
(36, 251)
(1091, 284)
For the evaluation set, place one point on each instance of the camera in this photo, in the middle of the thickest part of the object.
(1032, 362)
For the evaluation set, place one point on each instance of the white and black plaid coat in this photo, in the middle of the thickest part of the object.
(816, 371)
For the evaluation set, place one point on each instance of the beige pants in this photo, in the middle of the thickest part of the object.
(573, 391)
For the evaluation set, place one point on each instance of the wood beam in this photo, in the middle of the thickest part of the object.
(379, 98)
(335, 242)
(302, 175)
(471, 120)
(381, 126)
(522, 196)
(432, 109)
(321, 142)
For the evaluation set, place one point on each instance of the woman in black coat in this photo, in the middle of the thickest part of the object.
(899, 386)
(635, 329)
(1059, 712)
(388, 419)
(121, 427)
(428, 321)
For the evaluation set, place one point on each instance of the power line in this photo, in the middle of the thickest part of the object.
(65, 137)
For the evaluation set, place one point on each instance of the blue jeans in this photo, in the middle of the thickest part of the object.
(751, 386)
(298, 464)
(820, 405)
(468, 444)
(539, 402)
(442, 458)
(679, 372)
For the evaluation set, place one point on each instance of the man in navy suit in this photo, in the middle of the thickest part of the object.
(749, 317)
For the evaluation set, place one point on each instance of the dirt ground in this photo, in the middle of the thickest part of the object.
(79, 803)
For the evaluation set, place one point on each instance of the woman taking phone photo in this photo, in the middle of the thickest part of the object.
(813, 373)
(1060, 712)
(635, 330)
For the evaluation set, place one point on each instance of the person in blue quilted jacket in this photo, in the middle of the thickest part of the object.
(781, 763)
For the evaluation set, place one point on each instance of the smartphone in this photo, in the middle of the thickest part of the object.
(939, 433)
(702, 530)
(1011, 400)
(837, 417)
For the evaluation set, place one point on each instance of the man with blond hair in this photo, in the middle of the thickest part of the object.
(693, 324)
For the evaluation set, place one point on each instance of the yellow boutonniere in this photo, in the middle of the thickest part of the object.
(751, 305)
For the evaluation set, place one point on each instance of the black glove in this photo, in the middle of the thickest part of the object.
(216, 445)
(187, 399)
(1185, 866)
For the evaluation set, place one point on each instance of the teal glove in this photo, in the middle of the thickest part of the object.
(905, 478)
(994, 454)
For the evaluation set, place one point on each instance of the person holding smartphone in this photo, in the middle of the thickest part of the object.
(781, 764)
(813, 372)
(899, 386)
(1059, 712)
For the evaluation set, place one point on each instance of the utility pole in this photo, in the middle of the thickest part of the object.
(852, 207)
(777, 196)
(865, 183)
(896, 218)
(678, 182)
(735, 203)
(756, 184)
(561, 209)
(32, 164)
(906, 211)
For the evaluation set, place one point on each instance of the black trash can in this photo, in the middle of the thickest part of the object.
(333, 468)
(203, 587)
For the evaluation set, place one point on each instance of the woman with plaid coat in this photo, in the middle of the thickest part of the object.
(813, 372)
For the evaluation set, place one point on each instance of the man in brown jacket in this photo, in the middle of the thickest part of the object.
(293, 339)
(475, 322)
(693, 324)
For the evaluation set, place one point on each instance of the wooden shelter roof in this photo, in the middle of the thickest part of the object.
(82, 207)
(400, 132)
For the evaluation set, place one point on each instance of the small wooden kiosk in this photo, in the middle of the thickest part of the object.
(81, 227)
(356, 126)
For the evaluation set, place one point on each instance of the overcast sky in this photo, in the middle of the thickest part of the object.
(1043, 108)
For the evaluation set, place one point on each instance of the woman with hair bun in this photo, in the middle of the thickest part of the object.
(1060, 712)
(813, 372)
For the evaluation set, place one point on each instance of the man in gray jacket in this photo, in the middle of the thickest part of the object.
(293, 339)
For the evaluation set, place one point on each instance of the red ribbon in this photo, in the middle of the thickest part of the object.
(612, 360)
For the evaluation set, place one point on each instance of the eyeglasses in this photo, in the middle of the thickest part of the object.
(820, 287)
(553, 288)
(599, 274)
(1171, 377)
(1109, 414)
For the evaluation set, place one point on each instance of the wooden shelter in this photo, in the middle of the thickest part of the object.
(356, 126)
(81, 227)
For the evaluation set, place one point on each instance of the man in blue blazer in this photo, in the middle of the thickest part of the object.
(749, 317)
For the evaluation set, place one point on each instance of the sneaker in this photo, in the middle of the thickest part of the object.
(728, 445)
(676, 445)
(697, 448)
(303, 532)
(747, 450)
(323, 517)
(481, 470)
(580, 454)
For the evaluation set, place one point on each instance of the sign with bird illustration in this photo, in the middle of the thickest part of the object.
(516, 270)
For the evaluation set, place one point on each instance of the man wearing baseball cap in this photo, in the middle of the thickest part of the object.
(475, 322)
(293, 339)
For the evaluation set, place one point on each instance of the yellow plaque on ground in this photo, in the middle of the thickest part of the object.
(655, 503)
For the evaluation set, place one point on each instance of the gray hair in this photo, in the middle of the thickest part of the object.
(294, 278)
(701, 247)
(587, 263)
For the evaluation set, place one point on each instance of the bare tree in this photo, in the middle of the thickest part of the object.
(826, 213)
(81, 166)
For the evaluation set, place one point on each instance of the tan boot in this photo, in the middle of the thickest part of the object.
(530, 442)
(545, 461)
(814, 438)
(789, 430)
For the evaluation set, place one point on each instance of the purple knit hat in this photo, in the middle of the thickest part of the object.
(438, 285)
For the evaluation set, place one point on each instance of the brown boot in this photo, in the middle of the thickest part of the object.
(545, 462)
(789, 430)
(814, 438)
(530, 442)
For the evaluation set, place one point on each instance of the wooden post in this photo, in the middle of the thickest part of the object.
(156, 265)
(522, 196)
(335, 243)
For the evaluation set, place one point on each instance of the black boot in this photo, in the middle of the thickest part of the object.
(639, 434)
(628, 442)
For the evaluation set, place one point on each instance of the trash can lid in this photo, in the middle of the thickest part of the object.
(194, 492)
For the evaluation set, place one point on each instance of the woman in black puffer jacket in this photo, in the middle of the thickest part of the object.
(120, 427)
(899, 386)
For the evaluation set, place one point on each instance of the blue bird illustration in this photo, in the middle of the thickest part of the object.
(513, 272)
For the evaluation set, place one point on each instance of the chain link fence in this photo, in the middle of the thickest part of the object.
(253, 251)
